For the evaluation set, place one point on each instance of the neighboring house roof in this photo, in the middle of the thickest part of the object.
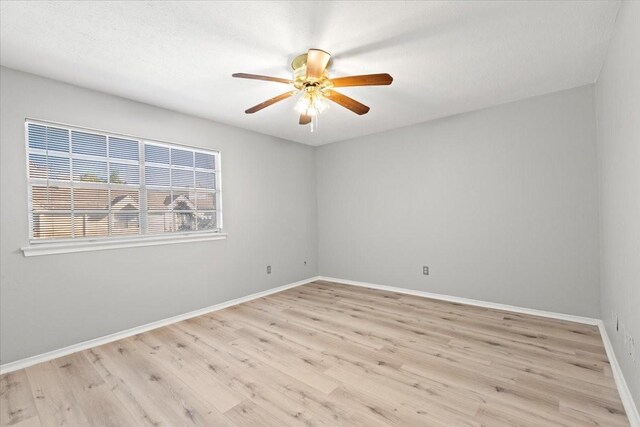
(125, 202)
(179, 200)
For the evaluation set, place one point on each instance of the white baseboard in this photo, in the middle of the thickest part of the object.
(625, 394)
(468, 301)
(621, 384)
(50, 355)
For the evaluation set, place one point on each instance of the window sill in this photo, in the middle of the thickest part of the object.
(37, 249)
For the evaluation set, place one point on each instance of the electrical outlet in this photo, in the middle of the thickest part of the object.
(425, 270)
(268, 269)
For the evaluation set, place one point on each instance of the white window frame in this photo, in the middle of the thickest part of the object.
(82, 244)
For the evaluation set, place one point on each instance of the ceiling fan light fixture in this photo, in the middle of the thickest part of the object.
(311, 103)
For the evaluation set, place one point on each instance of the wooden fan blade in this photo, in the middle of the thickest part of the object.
(259, 77)
(317, 61)
(346, 102)
(304, 119)
(270, 102)
(364, 80)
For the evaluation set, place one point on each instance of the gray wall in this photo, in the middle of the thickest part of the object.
(49, 302)
(618, 118)
(501, 204)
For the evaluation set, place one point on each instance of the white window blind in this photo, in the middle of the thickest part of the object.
(85, 184)
(180, 189)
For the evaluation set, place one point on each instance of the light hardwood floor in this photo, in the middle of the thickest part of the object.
(330, 354)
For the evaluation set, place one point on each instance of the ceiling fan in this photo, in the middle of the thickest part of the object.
(311, 78)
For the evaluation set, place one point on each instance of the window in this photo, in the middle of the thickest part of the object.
(90, 185)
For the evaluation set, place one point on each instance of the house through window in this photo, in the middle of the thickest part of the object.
(89, 184)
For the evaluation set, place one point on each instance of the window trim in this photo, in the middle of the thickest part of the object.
(92, 244)
(82, 244)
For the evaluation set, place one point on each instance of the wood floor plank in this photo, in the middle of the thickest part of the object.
(29, 422)
(16, 402)
(174, 398)
(233, 365)
(182, 365)
(91, 392)
(250, 414)
(141, 407)
(56, 404)
(328, 354)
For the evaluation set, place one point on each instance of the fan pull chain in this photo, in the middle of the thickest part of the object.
(314, 123)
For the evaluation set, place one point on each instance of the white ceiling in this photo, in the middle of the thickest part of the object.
(445, 57)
